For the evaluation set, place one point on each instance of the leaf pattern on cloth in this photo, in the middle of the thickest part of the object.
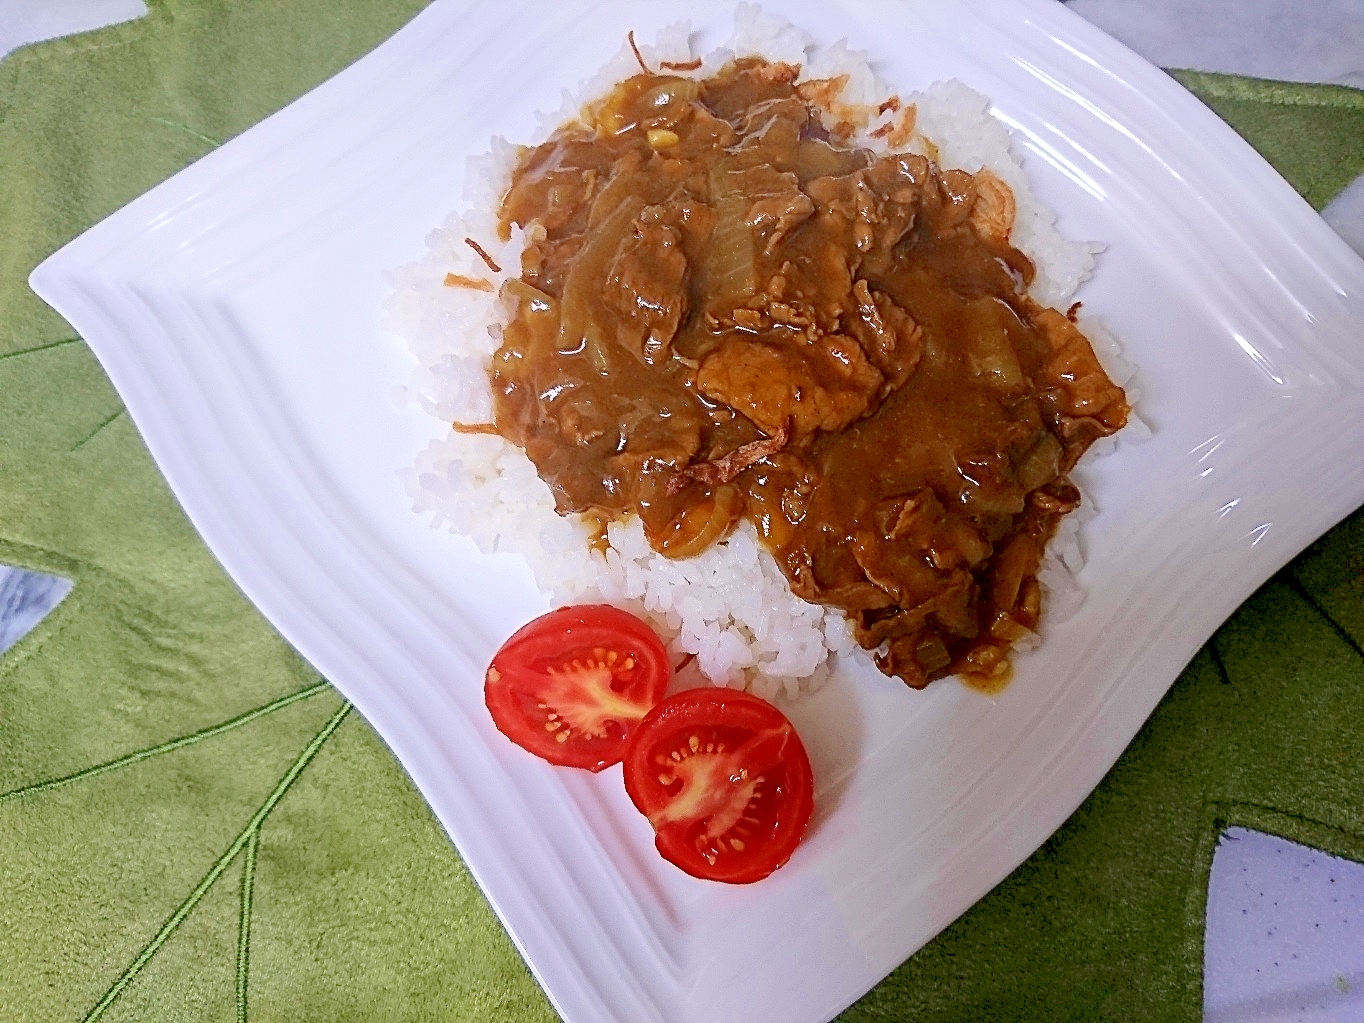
(247, 840)
(196, 828)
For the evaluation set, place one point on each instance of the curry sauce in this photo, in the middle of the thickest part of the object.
(726, 311)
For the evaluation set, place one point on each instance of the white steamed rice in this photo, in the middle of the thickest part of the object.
(730, 606)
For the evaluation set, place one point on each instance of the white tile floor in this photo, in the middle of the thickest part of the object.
(25, 600)
(1285, 924)
(1316, 41)
(26, 21)
(1285, 934)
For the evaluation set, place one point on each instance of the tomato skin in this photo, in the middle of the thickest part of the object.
(572, 685)
(721, 760)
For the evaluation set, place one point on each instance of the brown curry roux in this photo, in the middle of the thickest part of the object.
(725, 312)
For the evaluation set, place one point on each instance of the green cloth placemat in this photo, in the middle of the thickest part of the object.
(193, 826)
(1312, 134)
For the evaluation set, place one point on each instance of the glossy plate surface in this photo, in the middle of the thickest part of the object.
(236, 308)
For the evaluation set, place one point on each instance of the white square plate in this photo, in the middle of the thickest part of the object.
(236, 309)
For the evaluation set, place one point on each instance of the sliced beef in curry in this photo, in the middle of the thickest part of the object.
(723, 312)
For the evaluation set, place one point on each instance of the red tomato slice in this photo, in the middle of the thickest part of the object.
(725, 782)
(572, 685)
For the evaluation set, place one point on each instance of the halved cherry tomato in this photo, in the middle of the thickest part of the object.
(572, 685)
(725, 782)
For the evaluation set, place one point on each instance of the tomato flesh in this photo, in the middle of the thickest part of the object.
(572, 685)
(725, 782)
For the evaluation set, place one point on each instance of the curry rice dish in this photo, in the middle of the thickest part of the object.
(728, 312)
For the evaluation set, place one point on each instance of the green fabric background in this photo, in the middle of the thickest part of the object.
(193, 826)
